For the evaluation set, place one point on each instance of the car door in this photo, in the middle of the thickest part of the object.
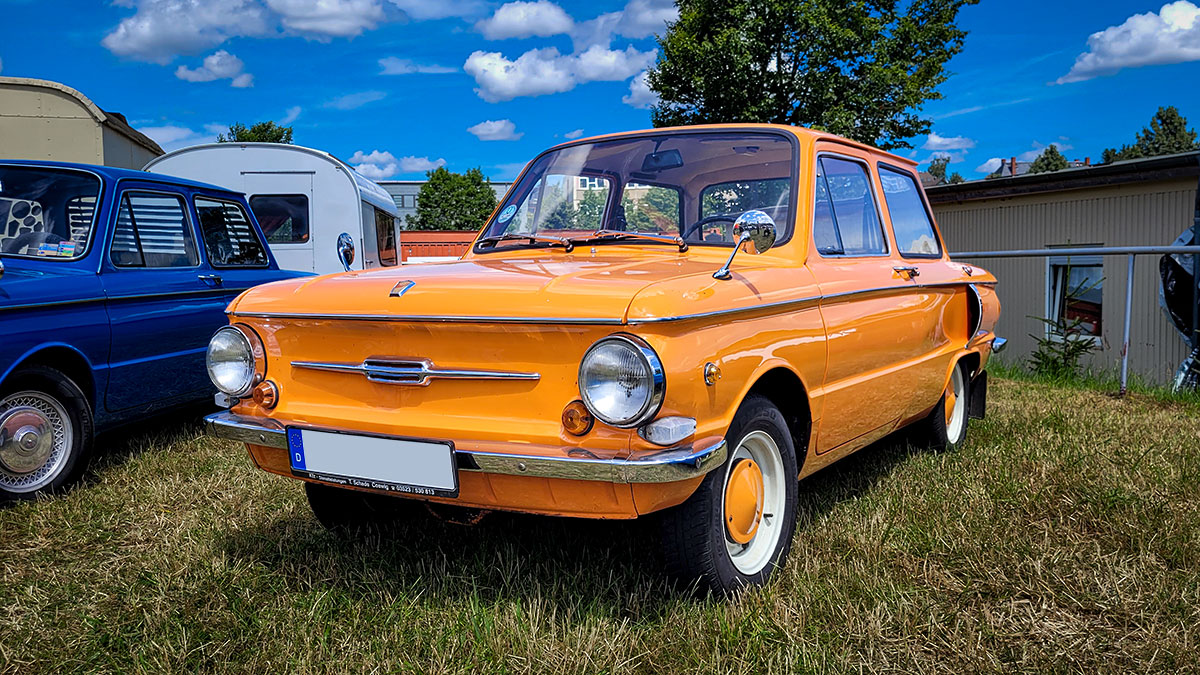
(163, 302)
(938, 281)
(867, 304)
(232, 245)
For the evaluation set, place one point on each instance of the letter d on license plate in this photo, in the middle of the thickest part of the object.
(376, 462)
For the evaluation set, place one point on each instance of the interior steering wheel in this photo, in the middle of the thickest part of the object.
(715, 218)
(31, 239)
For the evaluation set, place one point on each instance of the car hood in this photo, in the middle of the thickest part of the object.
(551, 286)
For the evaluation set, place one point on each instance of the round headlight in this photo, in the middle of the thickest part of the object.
(621, 381)
(230, 362)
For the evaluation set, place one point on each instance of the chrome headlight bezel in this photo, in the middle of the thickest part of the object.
(656, 381)
(248, 341)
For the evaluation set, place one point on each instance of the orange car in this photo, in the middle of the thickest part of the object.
(680, 322)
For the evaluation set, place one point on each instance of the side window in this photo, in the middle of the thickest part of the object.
(385, 238)
(229, 237)
(153, 231)
(910, 221)
(283, 218)
(852, 226)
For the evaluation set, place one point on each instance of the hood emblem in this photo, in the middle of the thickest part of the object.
(401, 288)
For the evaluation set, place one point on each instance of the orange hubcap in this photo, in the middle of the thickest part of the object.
(951, 401)
(743, 501)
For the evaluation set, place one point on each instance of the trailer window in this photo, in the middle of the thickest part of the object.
(283, 218)
(385, 237)
(229, 236)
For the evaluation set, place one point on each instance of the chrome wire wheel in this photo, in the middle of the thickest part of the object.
(36, 437)
(956, 406)
(754, 501)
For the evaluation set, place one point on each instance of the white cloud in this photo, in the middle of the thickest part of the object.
(571, 135)
(496, 130)
(291, 115)
(379, 164)
(1171, 36)
(220, 65)
(638, 19)
(936, 142)
(990, 165)
(328, 18)
(540, 18)
(546, 71)
(161, 29)
(392, 65)
(356, 100)
(172, 136)
(640, 95)
(425, 10)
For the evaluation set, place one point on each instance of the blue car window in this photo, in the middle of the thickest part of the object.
(229, 238)
(153, 231)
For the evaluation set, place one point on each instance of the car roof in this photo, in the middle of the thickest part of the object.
(114, 174)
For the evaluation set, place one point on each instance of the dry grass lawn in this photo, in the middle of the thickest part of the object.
(1064, 537)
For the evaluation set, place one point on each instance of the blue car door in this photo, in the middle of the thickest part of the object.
(233, 245)
(163, 300)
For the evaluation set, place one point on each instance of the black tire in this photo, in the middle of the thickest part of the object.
(354, 513)
(933, 432)
(55, 396)
(694, 535)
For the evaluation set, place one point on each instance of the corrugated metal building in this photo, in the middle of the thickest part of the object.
(1147, 202)
(40, 119)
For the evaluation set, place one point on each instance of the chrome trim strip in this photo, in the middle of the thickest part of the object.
(410, 372)
(665, 466)
(430, 318)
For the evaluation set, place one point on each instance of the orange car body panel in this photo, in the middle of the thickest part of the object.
(871, 349)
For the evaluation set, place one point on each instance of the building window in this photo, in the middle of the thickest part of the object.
(1075, 295)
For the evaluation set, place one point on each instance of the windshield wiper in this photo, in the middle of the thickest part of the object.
(491, 242)
(628, 234)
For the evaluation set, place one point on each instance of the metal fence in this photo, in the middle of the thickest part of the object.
(1131, 253)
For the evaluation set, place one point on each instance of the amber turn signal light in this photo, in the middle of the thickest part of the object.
(266, 394)
(576, 419)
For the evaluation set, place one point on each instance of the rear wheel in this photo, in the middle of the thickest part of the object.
(45, 433)
(946, 425)
(737, 527)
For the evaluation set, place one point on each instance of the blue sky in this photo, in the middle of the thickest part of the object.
(399, 86)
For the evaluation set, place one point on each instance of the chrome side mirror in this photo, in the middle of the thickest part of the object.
(755, 232)
(345, 250)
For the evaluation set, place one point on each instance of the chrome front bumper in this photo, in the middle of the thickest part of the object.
(663, 466)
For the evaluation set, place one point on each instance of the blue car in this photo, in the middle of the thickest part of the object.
(111, 284)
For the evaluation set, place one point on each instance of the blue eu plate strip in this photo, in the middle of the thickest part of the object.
(296, 449)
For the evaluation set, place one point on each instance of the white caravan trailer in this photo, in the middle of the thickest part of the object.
(314, 208)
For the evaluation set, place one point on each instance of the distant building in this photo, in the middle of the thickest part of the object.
(40, 119)
(1014, 167)
(405, 193)
(1142, 202)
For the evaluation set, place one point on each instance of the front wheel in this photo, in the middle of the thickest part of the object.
(45, 433)
(737, 527)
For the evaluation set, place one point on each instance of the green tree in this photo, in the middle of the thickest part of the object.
(1167, 134)
(1050, 160)
(955, 178)
(263, 132)
(937, 168)
(453, 201)
(861, 69)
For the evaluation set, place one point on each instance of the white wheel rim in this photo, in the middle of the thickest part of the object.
(752, 557)
(958, 415)
(63, 435)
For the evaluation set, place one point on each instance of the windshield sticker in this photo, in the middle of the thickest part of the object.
(66, 249)
(508, 212)
(47, 249)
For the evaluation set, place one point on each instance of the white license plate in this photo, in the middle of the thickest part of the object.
(376, 462)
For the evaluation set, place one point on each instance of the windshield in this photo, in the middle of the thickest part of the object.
(46, 213)
(690, 185)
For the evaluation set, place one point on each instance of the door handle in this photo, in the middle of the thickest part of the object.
(214, 278)
(909, 273)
